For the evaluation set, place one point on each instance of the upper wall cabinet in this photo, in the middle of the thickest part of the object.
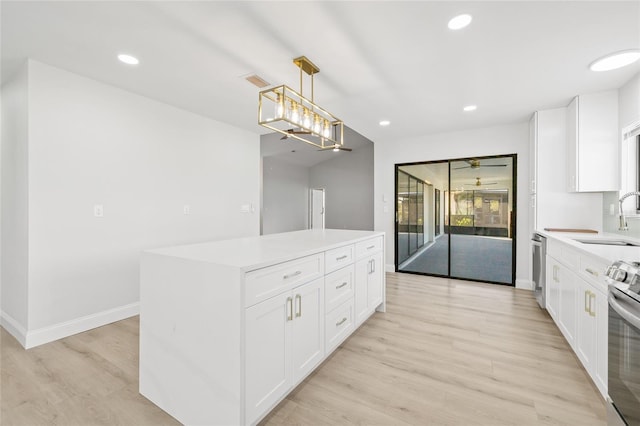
(592, 143)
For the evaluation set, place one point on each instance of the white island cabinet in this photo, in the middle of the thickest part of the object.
(229, 328)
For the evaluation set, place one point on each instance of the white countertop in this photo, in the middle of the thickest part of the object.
(608, 253)
(256, 252)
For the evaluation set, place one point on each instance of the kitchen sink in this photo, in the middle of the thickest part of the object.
(605, 242)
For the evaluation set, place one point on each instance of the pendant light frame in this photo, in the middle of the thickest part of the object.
(287, 111)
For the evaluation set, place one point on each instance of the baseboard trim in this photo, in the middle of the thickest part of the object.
(524, 284)
(390, 267)
(68, 328)
(14, 328)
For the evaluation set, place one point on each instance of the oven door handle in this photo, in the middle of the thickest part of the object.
(624, 313)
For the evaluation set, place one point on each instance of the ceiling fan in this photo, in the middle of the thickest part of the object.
(478, 183)
(295, 132)
(336, 148)
(475, 164)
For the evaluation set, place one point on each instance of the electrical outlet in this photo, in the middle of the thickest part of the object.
(98, 210)
(186, 209)
(612, 209)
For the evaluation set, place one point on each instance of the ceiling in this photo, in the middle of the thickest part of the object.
(379, 60)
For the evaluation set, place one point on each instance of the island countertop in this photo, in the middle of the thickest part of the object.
(259, 251)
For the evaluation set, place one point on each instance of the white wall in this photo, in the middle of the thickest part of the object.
(14, 229)
(509, 139)
(90, 143)
(628, 112)
(285, 196)
(348, 184)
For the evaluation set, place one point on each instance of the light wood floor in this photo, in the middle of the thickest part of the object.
(445, 352)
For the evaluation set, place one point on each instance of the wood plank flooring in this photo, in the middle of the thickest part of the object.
(446, 352)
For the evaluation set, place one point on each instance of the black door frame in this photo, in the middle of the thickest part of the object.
(514, 159)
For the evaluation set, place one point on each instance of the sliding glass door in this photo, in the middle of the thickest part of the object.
(410, 196)
(476, 199)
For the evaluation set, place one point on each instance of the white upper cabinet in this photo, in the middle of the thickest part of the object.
(592, 143)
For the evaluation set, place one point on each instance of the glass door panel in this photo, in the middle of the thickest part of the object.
(479, 233)
(403, 216)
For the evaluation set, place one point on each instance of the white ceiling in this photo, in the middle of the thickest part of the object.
(378, 60)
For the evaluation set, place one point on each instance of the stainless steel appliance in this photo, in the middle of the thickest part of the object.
(539, 249)
(624, 343)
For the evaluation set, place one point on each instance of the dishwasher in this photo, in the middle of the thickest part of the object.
(539, 250)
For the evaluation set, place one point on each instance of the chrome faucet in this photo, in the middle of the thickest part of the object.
(623, 220)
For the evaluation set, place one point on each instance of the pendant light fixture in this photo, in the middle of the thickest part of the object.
(286, 111)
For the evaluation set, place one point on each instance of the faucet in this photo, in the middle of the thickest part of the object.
(623, 220)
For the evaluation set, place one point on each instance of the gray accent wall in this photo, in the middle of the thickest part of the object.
(348, 184)
(285, 196)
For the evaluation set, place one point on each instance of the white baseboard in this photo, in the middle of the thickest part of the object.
(14, 328)
(524, 284)
(390, 267)
(64, 329)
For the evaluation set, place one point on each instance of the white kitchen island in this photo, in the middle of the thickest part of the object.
(229, 328)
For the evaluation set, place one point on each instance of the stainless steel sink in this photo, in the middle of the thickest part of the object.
(604, 242)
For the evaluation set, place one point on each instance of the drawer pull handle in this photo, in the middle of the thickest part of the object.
(295, 274)
(341, 285)
(342, 321)
(371, 247)
(592, 272)
(342, 257)
(591, 311)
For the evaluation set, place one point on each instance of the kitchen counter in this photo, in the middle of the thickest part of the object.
(607, 253)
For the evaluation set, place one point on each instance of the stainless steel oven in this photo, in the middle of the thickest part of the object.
(624, 342)
(539, 253)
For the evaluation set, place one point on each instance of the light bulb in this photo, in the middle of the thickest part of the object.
(317, 127)
(326, 131)
(294, 113)
(279, 106)
(306, 119)
(336, 148)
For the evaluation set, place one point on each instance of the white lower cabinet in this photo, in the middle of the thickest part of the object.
(369, 290)
(229, 328)
(577, 302)
(284, 343)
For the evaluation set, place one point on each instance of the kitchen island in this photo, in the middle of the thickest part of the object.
(229, 328)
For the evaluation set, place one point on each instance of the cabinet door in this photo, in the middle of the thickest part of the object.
(361, 290)
(374, 282)
(307, 328)
(567, 310)
(553, 288)
(600, 372)
(586, 333)
(268, 373)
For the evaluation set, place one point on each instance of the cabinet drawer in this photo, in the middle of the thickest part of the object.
(338, 287)
(338, 258)
(338, 325)
(564, 253)
(365, 248)
(264, 283)
(592, 270)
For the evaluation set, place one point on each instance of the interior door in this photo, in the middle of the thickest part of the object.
(317, 209)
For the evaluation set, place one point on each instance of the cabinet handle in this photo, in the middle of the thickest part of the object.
(586, 301)
(295, 274)
(342, 321)
(592, 272)
(342, 257)
(592, 296)
(341, 285)
(373, 265)
(289, 309)
(299, 303)
(371, 247)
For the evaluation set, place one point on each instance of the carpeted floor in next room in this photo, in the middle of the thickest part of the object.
(472, 256)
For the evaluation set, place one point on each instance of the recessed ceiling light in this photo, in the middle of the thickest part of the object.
(385, 122)
(615, 60)
(460, 22)
(470, 108)
(128, 59)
